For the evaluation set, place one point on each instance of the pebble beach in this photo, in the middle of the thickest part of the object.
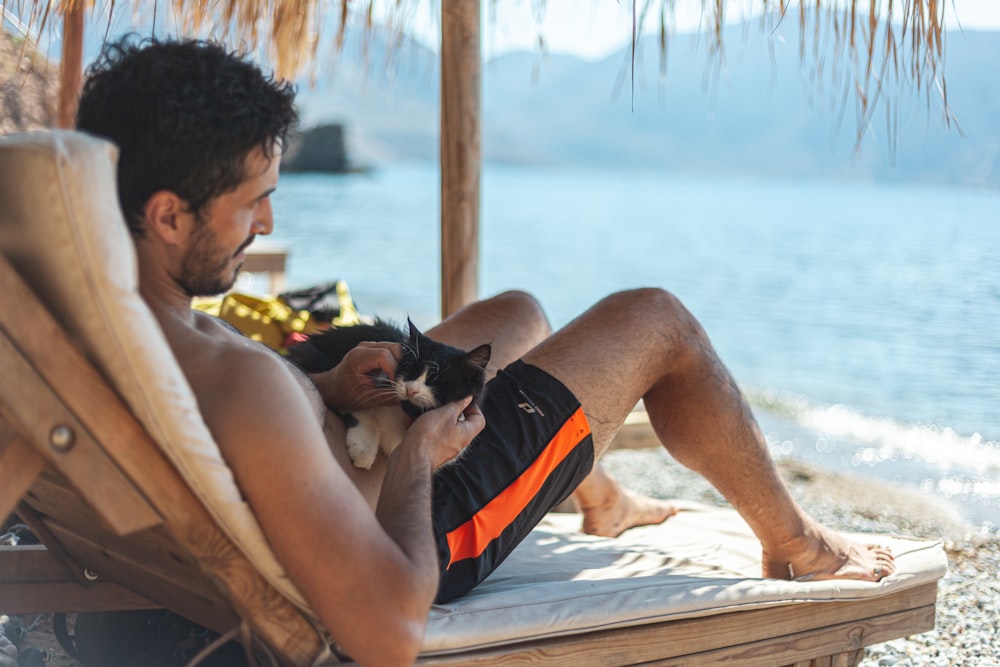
(968, 611)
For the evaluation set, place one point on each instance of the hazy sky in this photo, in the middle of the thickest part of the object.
(587, 28)
(595, 28)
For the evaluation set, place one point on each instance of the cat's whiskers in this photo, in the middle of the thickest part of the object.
(368, 393)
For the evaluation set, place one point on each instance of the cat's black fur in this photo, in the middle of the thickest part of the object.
(452, 373)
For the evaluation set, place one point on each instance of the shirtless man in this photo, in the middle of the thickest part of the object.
(201, 133)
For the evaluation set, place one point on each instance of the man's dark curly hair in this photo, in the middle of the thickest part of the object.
(185, 114)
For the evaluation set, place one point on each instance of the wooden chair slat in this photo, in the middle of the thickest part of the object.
(40, 417)
(49, 382)
(823, 628)
(32, 581)
(19, 466)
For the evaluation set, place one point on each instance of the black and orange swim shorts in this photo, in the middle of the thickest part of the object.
(536, 448)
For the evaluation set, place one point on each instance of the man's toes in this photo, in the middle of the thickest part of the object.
(883, 568)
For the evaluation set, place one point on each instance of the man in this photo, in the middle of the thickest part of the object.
(200, 133)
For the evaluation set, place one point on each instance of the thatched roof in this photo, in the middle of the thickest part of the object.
(876, 47)
(904, 37)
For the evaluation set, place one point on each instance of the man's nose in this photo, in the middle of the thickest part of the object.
(264, 224)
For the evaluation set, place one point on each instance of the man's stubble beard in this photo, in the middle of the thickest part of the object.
(205, 266)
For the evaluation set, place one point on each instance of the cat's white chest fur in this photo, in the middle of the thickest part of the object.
(383, 427)
(377, 428)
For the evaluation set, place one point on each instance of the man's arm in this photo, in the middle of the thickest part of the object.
(371, 577)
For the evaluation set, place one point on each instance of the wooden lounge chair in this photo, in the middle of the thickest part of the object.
(103, 453)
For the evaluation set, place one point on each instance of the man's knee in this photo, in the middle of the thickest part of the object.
(524, 309)
(656, 312)
(653, 302)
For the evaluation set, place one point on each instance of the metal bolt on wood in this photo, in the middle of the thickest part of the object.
(62, 438)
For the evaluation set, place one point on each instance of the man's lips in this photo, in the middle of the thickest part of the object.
(246, 244)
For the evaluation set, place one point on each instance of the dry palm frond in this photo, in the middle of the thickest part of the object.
(873, 42)
(879, 48)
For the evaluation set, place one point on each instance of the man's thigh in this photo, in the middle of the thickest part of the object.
(512, 322)
(610, 356)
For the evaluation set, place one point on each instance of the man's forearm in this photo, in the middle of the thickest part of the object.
(404, 510)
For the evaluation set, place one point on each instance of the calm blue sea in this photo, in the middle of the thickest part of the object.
(863, 320)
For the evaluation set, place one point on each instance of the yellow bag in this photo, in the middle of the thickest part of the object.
(271, 321)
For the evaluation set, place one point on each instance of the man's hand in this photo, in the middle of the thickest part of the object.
(359, 380)
(447, 430)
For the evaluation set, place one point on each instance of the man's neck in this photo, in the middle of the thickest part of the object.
(170, 304)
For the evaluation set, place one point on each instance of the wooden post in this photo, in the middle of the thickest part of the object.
(460, 153)
(71, 69)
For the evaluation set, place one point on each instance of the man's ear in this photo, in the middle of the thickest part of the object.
(167, 216)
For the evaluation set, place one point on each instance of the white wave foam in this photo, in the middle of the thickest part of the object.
(888, 439)
(983, 490)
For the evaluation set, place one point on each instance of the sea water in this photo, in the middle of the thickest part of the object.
(862, 320)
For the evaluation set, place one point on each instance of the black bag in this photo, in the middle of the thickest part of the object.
(325, 302)
(142, 638)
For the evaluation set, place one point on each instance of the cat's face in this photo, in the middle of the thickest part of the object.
(432, 373)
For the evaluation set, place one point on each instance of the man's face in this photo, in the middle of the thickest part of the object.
(226, 226)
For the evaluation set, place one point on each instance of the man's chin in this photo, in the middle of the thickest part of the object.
(209, 289)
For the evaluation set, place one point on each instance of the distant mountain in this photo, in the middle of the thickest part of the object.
(761, 110)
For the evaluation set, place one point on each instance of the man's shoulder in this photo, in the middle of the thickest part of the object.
(217, 354)
(213, 326)
(246, 392)
(207, 321)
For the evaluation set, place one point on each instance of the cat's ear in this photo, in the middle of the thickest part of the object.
(414, 331)
(480, 356)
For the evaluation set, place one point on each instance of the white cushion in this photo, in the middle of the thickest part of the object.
(703, 561)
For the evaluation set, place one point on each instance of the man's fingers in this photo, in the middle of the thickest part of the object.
(471, 416)
(459, 406)
(375, 356)
(395, 349)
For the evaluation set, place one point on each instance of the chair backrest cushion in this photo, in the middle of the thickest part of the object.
(62, 229)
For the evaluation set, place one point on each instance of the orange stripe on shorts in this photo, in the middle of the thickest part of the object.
(471, 538)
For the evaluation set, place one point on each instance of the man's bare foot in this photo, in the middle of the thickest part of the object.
(621, 510)
(824, 554)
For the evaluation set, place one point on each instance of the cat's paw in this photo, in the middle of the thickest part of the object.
(361, 450)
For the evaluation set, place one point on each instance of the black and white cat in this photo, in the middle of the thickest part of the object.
(429, 374)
